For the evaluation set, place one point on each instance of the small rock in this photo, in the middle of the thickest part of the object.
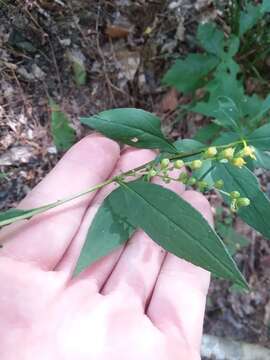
(25, 74)
(175, 4)
(37, 72)
(129, 62)
(65, 42)
(180, 32)
(52, 150)
(16, 154)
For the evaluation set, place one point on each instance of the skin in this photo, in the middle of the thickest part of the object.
(136, 303)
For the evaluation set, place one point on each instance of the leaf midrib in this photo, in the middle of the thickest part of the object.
(185, 231)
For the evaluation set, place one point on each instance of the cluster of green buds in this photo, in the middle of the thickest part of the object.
(229, 154)
(166, 165)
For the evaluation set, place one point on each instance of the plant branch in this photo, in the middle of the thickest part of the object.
(133, 172)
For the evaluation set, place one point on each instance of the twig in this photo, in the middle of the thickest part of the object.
(56, 68)
(109, 84)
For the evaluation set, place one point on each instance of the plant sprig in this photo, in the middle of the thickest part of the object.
(10, 216)
(136, 203)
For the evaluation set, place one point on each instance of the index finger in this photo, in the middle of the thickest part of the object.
(44, 239)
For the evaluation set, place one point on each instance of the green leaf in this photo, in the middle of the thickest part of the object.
(188, 145)
(131, 126)
(232, 45)
(251, 108)
(107, 232)
(189, 74)
(64, 136)
(226, 138)
(207, 133)
(205, 172)
(224, 100)
(79, 73)
(211, 39)
(262, 159)
(10, 214)
(3, 176)
(257, 214)
(251, 15)
(264, 108)
(265, 7)
(176, 226)
(260, 138)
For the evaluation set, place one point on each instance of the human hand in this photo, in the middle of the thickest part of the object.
(136, 303)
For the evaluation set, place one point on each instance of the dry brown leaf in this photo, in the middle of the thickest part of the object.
(116, 31)
(169, 101)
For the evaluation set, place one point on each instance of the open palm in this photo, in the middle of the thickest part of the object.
(136, 303)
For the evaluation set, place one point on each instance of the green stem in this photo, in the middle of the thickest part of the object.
(52, 205)
(224, 192)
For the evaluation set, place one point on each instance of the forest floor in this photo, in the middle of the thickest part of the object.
(125, 47)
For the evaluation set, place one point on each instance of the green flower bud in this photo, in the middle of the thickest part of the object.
(152, 173)
(235, 194)
(219, 184)
(238, 162)
(179, 164)
(196, 164)
(202, 185)
(248, 151)
(243, 201)
(227, 153)
(164, 163)
(210, 152)
(191, 181)
(183, 177)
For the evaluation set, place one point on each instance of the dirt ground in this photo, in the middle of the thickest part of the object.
(125, 47)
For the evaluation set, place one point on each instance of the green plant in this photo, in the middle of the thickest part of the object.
(222, 162)
(138, 203)
(64, 135)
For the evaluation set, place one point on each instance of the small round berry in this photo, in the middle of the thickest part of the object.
(238, 162)
(183, 177)
(152, 173)
(196, 164)
(219, 184)
(202, 185)
(179, 164)
(243, 201)
(235, 194)
(164, 163)
(211, 152)
(227, 153)
(191, 181)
